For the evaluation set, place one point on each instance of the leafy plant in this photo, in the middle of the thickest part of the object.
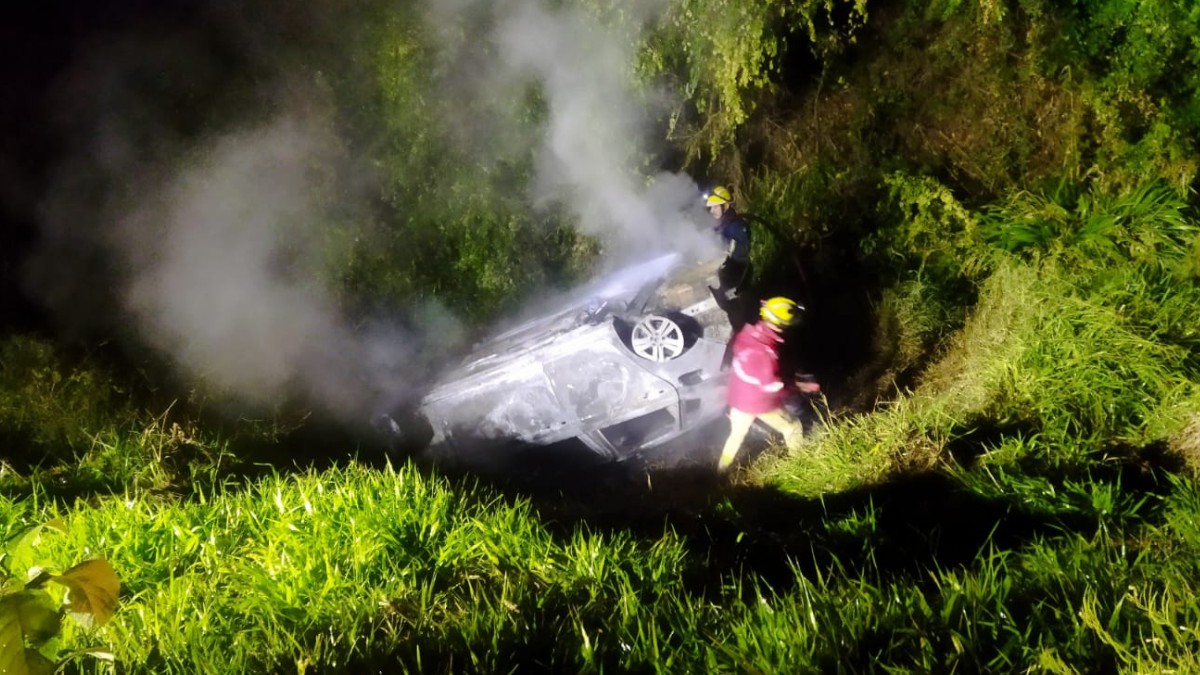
(932, 226)
(30, 618)
(51, 403)
(726, 55)
(1146, 226)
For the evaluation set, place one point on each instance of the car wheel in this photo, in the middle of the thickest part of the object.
(657, 338)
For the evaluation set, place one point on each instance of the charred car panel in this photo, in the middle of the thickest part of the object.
(631, 362)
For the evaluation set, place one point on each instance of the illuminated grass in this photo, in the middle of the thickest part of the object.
(358, 565)
(356, 568)
(1091, 369)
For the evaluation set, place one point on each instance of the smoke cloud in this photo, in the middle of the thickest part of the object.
(208, 245)
(221, 268)
(205, 239)
(230, 285)
(598, 129)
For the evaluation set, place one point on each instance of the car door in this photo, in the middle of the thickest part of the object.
(609, 392)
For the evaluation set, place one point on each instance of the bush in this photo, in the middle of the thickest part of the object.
(726, 57)
(52, 406)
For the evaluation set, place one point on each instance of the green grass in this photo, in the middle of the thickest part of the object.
(354, 567)
(1095, 356)
(1061, 407)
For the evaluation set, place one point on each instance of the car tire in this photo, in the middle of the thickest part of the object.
(657, 338)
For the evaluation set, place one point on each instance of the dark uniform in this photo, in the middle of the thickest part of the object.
(735, 233)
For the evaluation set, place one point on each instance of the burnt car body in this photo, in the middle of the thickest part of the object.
(628, 363)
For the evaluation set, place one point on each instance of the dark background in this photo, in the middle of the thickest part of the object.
(154, 76)
(41, 43)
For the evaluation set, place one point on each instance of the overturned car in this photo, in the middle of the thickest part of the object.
(628, 363)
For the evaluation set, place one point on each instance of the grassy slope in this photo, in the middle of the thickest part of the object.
(353, 567)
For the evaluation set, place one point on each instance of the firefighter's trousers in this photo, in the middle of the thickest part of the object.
(740, 423)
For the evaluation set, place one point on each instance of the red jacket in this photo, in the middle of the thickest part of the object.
(755, 386)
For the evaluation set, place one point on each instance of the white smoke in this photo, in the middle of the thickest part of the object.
(214, 251)
(215, 290)
(216, 259)
(226, 277)
(597, 126)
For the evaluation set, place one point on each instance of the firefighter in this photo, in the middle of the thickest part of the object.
(756, 390)
(735, 234)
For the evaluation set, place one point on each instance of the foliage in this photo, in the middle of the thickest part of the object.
(1145, 102)
(988, 97)
(71, 426)
(724, 56)
(1093, 83)
(450, 220)
(1083, 341)
(1146, 226)
(354, 568)
(985, 98)
(934, 225)
(912, 321)
(1016, 176)
(360, 565)
(50, 402)
(30, 619)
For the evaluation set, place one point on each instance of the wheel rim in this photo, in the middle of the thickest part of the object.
(657, 338)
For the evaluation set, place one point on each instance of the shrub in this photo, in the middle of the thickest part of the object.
(50, 405)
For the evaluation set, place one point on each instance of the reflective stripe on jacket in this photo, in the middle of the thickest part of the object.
(755, 386)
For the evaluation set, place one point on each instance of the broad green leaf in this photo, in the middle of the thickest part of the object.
(37, 663)
(23, 551)
(34, 618)
(12, 639)
(93, 589)
(39, 615)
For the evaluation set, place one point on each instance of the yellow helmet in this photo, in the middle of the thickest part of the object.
(779, 311)
(718, 195)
